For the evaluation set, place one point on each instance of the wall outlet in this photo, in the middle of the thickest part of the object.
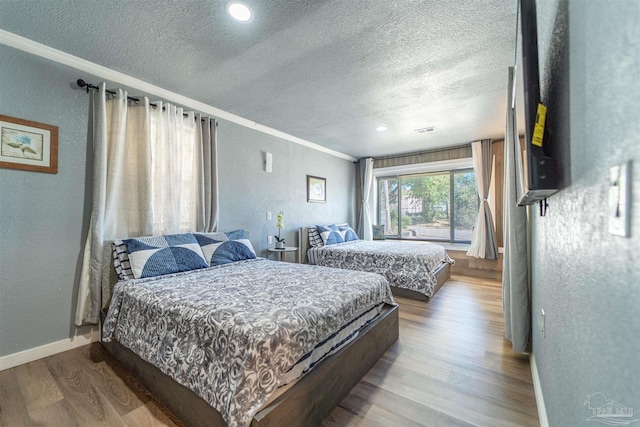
(542, 322)
(269, 240)
(268, 216)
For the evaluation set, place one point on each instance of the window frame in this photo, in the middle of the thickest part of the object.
(414, 171)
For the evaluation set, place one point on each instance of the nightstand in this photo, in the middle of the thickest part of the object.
(283, 252)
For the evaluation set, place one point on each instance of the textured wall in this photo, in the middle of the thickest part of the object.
(587, 280)
(248, 192)
(43, 217)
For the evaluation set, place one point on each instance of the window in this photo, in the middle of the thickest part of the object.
(176, 170)
(429, 206)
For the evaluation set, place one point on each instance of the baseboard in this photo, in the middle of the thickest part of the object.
(36, 353)
(542, 410)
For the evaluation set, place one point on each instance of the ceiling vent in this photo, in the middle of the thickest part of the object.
(425, 130)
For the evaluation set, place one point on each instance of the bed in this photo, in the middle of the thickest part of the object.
(414, 269)
(213, 344)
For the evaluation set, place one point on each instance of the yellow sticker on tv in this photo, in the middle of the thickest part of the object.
(538, 129)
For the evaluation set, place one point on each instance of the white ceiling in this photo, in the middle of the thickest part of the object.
(329, 72)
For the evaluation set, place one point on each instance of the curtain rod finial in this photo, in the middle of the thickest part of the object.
(82, 84)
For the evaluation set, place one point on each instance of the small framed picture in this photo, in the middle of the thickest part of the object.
(28, 145)
(316, 189)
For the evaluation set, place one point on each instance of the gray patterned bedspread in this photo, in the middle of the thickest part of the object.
(231, 332)
(408, 265)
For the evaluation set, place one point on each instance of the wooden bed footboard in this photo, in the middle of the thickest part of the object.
(309, 401)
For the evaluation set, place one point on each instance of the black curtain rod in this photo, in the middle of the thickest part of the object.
(88, 86)
(82, 83)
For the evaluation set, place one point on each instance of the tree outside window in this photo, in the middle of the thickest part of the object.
(436, 206)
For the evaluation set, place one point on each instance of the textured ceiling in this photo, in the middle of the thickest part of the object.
(325, 71)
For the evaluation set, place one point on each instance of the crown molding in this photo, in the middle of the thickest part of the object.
(18, 42)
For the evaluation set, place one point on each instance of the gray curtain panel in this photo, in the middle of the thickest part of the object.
(358, 198)
(210, 197)
(365, 222)
(516, 296)
(483, 238)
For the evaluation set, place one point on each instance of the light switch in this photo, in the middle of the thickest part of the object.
(268, 216)
(269, 239)
(268, 163)
(619, 198)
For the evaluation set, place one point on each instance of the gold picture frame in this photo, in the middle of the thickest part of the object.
(316, 189)
(27, 145)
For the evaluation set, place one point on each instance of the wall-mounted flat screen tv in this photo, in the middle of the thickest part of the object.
(537, 176)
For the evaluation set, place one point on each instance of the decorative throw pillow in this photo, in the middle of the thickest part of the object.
(347, 233)
(378, 232)
(217, 235)
(330, 234)
(223, 248)
(121, 260)
(236, 235)
(158, 255)
(314, 237)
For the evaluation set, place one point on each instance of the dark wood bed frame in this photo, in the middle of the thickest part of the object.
(442, 273)
(306, 403)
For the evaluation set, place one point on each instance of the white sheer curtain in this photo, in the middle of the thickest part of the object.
(516, 299)
(483, 237)
(148, 179)
(366, 219)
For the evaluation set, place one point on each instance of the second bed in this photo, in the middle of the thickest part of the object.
(414, 269)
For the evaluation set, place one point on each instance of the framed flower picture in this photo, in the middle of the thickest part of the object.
(316, 189)
(28, 145)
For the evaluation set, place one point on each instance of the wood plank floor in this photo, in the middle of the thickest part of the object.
(450, 367)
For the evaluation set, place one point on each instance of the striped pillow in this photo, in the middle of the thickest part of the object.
(121, 260)
(314, 237)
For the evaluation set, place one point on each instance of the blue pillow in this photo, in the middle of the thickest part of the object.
(220, 248)
(330, 234)
(347, 233)
(236, 234)
(158, 255)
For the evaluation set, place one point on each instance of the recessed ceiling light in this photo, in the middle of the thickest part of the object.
(381, 128)
(239, 11)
